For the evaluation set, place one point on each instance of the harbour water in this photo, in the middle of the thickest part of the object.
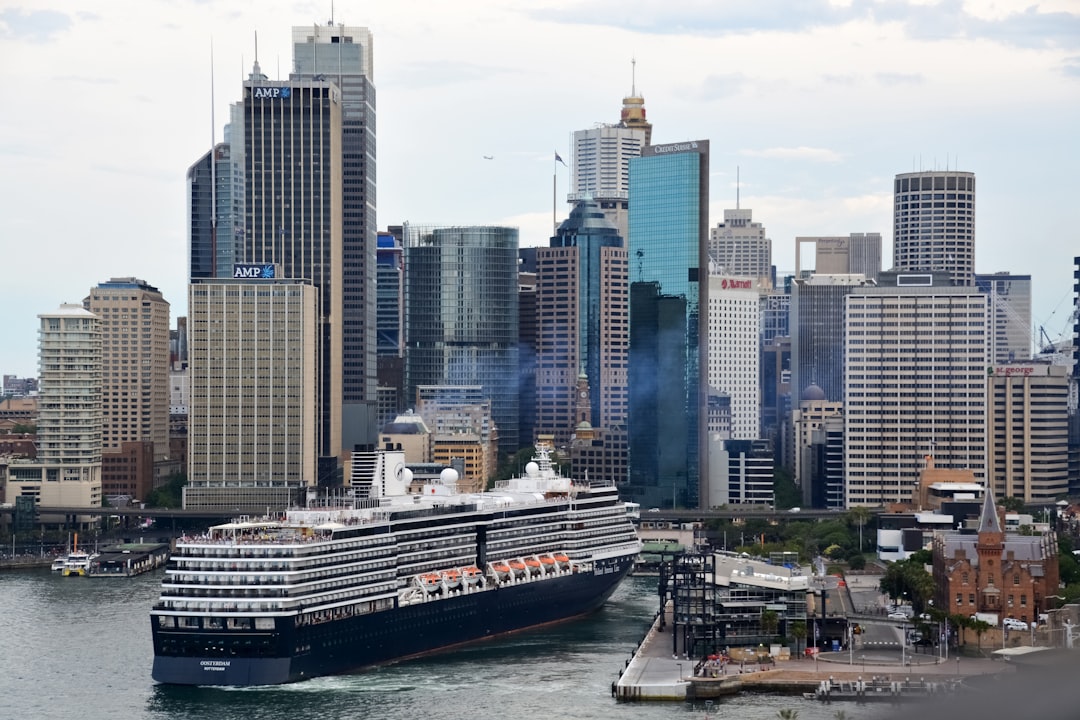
(80, 648)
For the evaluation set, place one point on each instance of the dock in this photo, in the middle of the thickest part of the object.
(129, 559)
(655, 673)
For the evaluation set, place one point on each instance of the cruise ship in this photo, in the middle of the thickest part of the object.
(387, 575)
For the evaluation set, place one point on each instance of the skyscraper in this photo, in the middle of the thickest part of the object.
(461, 315)
(252, 425)
(1010, 315)
(734, 351)
(134, 323)
(854, 254)
(67, 470)
(293, 218)
(738, 246)
(600, 165)
(934, 223)
(915, 380)
(344, 55)
(669, 228)
(582, 323)
(213, 214)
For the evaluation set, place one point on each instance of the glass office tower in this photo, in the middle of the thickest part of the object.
(669, 230)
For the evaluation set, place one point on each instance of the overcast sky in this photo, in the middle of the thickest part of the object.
(819, 103)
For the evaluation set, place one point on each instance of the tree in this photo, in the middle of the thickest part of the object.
(979, 626)
(857, 562)
(798, 631)
(960, 622)
(770, 620)
(1011, 504)
(787, 714)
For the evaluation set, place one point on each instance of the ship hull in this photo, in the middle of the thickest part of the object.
(406, 631)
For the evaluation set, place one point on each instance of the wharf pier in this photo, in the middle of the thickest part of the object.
(129, 559)
(654, 673)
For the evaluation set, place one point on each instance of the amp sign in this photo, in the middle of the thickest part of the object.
(270, 93)
(247, 271)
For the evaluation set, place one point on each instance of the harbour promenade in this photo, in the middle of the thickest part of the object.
(654, 672)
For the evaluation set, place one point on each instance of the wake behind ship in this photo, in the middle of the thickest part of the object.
(330, 589)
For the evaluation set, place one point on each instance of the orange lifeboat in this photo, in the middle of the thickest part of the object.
(451, 578)
(501, 569)
(562, 560)
(533, 564)
(548, 563)
(430, 582)
(518, 567)
(472, 574)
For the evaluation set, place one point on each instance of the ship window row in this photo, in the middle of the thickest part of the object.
(225, 579)
(425, 562)
(292, 590)
(220, 647)
(230, 564)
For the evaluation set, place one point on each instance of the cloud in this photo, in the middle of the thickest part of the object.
(718, 87)
(795, 153)
(34, 25)
(888, 78)
(1071, 66)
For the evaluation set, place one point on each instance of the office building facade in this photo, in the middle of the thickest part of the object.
(915, 384)
(214, 213)
(253, 384)
(669, 230)
(582, 312)
(854, 254)
(1010, 315)
(734, 352)
(738, 246)
(1028, 421)
(461, 315)
(934, 224)
(817, 331)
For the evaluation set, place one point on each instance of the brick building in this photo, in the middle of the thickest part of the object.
(993, 572)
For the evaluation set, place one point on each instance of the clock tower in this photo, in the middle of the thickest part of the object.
(583, 411)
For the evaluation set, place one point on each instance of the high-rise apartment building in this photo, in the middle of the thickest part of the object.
(582, 311)
(669, 230)
(67, 470)
(738, 246)
(134, 324)
(934, 223)
(344, 55)
(600, 165)
(817, 331)
(1028, 422)
(1010, 315)
(734, 352)
(854, 254)
(916, 384)
(461, 315)
(253, 389)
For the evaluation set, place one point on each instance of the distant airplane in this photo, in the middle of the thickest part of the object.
(489, 157)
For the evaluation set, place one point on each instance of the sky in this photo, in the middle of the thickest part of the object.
(815, 104)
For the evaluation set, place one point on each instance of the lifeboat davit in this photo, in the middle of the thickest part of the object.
(451, 578)
(548, 563)
(501, 569)
(533, 564)
(518, 567)
(562, 560)
(472, 574)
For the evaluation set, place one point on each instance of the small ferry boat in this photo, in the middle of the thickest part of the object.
(77, 563)
(58, 564)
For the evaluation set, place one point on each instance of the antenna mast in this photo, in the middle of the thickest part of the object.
(633, 77)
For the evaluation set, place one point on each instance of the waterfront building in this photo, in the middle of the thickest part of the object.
(253, 425)
(934, 223)
(817, 331)
(738, 246)
(67, 469)
(734, 352)
(669, 227)
(582, 324)
(461, 315)
(601, 158)
(854, 254)
(915, 384)
(1010, 315)
(134, 323)
(991, 571)
(1028, 426)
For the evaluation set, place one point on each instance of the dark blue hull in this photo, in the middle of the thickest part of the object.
(289, 654)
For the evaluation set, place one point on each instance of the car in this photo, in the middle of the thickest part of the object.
(1014, 624)
(654, 509)
(897, 615)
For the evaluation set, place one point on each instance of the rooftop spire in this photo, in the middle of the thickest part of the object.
(988, 520)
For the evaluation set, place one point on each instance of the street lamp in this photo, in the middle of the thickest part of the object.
(680, 671)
